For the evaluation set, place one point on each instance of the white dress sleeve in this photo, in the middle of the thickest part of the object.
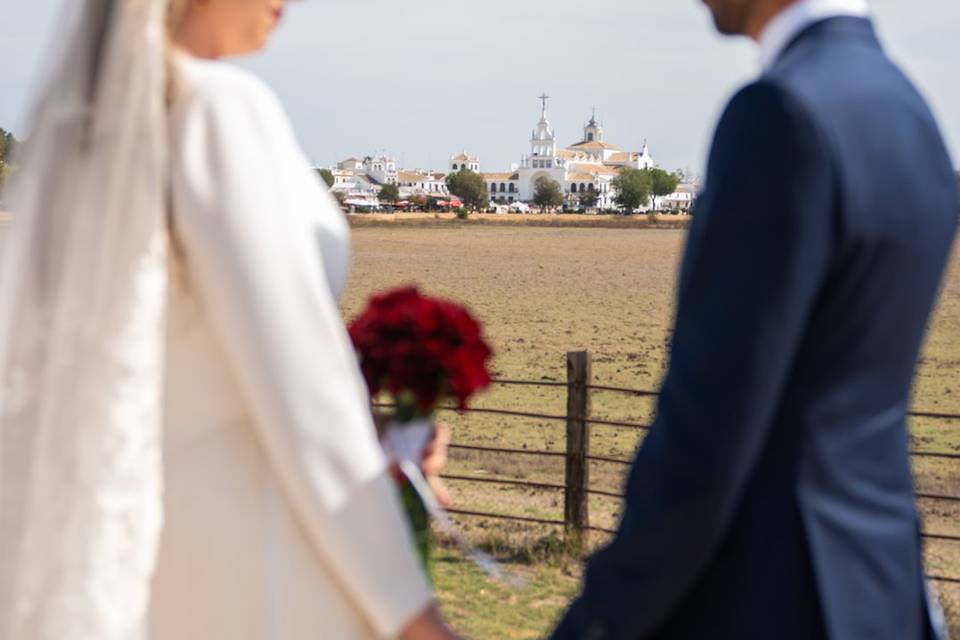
(243, 196)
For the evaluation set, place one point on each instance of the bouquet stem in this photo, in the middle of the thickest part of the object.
(420, 523)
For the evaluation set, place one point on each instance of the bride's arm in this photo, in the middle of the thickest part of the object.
(429, 625)
(266, 294)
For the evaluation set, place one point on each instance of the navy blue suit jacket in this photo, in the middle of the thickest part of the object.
(773, 497)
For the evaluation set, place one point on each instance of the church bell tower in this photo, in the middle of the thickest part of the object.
(544, 140)
(593, 132)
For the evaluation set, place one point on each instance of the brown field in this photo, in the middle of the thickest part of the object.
(543, 291)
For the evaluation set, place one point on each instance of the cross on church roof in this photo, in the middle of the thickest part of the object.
(593, 117)
(544, 99)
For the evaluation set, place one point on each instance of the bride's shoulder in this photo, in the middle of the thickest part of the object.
(208, 85)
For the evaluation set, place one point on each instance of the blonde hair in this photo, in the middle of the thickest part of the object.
(176, 13)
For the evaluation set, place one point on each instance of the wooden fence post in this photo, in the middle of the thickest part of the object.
(576, 514)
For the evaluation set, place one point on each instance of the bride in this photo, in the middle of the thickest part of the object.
(168, 310)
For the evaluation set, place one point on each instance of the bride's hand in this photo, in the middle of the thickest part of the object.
(435, 458)
(429, 625)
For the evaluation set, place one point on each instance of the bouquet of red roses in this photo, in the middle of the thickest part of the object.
(422, 351)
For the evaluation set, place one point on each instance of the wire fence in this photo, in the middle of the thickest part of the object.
(577, 489)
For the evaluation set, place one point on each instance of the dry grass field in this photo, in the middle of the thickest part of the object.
(543, 291)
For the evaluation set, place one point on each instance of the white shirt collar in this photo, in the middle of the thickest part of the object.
(788, 24)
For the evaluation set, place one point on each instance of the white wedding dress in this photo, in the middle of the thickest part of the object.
(280, 521)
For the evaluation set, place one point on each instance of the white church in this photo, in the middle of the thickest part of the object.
(588, 165)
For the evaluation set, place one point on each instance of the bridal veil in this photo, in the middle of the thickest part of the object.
(82, 306)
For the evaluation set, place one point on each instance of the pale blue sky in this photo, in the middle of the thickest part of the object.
(422, 79)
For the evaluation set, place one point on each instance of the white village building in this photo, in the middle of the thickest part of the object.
(464, 160)
(588, 165)
(360, 179)
(680, 200)
(422, 183)
(382, 169)
(358, 189)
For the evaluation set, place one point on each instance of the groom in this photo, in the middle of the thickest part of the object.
(773, 496)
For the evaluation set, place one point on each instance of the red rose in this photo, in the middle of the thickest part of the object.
(413, 345)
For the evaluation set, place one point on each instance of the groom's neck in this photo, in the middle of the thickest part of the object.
(764, 11)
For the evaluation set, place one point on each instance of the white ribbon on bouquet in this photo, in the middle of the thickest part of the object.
(405, 444)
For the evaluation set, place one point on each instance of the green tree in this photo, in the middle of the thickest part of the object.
(327, 176)
(662, 183)
(633, 189)
(547, 193)
(3, 145)
(7, 145)
(686, 175)
(588, 199)
(389, 193)
(469, 187)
